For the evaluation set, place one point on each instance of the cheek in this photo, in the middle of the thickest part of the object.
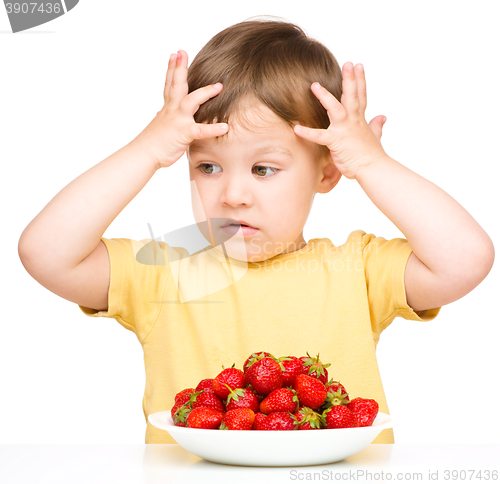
(194, 176)
(206, 194)
(288, 207)
(202, 198)
(297, 189)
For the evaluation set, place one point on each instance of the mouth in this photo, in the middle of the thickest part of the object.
(241, 224)
(239, 229)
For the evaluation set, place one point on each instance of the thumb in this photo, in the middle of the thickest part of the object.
(376, 125)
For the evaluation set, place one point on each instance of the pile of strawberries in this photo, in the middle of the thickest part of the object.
(286, 393)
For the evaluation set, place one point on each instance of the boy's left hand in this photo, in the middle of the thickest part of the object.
(353, 143)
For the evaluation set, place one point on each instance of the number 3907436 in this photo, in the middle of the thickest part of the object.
(43, 7)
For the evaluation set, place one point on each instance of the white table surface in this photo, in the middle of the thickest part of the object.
(169, 463)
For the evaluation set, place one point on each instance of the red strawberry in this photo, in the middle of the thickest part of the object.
(310, 390)
(339, 417)
(181, 414)
(204, 418)
(183, 395)
(365, 410)
(232, 377)
(258, 395)
(175, 407)
(279, 421)
(308, 419)
(314, 367)
(207, 384)
(242, 398)
(336, 394)
(264, 376)
(254, 357)
(257, 423)
(207, 399)
(293, 367)
(238, 419)
(280, 400)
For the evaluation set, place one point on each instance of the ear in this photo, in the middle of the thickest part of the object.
(329, 176)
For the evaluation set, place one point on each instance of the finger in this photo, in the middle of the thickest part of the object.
(334, 109)
(193, 101)
(361, 82)
(349, 98)
(319, 136)
(179, 88)
(376, 125)
(202, 130)
(170, 75)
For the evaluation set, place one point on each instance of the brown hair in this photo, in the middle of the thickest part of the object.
(272, 61)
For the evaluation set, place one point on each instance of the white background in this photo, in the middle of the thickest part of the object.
(75, 90)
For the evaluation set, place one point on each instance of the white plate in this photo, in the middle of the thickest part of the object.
(273, 448)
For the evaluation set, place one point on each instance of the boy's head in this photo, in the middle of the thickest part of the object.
(266, 68)
(270, 61)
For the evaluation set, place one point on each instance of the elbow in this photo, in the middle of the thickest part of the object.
(475, 262)
(482, 263)
(470, 268)
(488, 256)
(25, 249)
(21, 248)
(24, 254)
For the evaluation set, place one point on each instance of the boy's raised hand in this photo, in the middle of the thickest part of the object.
(353, 143)
(169, 134)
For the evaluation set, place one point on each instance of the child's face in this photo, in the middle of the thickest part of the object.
(266, 176)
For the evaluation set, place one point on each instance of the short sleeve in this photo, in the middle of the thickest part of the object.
(138, 274)
(385, 263)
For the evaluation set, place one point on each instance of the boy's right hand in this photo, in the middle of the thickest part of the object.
(168, 136)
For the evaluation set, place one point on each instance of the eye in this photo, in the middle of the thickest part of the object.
(200, 167)
(275, 170)
(257, 167)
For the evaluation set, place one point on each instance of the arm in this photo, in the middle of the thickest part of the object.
(452, 254)
(61, 247)
(54, 246)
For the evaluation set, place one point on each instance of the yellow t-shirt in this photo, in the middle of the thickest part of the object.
(323, 299)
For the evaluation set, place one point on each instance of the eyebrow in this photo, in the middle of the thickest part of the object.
(264, 150)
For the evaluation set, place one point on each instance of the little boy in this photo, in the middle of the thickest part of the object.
(268, 119)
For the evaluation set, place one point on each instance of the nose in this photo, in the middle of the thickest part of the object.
(236, 192)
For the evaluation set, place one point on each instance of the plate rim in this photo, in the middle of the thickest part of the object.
(389, 423)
